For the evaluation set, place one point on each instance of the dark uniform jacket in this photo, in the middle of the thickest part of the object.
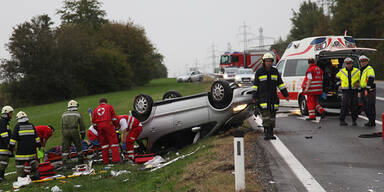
(27, 139)
(265, 84)
(5, 134)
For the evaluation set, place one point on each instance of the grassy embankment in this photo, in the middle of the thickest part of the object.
(207, 170)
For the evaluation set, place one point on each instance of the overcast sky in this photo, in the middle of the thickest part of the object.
(182, 31)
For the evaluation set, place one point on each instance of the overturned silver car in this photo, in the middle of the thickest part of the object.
(179, 121)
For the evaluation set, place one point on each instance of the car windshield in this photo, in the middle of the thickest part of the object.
(224, 59)
(245, 71)
(231, 70)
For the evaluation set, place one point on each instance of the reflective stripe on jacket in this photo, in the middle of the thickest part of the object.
(346, 82)
(316, 85)
(368, 73)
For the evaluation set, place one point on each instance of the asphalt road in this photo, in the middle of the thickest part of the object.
(335, 156)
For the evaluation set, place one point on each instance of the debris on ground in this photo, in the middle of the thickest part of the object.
(22, 181)
(77, 186)
(56, 189)
(156, 161)
(174, 160)
(117, 173)
(308, 137)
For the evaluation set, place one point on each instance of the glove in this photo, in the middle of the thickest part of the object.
(124, 147)
(40, 155)
(82, 136)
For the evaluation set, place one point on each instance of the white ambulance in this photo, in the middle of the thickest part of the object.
(329, 52)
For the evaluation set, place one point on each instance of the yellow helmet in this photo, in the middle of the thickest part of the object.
(21, 114)
(268, 56)
(73, 104)
(6, 109)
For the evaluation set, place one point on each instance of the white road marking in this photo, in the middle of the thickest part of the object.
(380, 98)
(294, 164)
(366, 118)
(297, 168)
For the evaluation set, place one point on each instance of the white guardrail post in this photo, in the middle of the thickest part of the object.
(238, 144)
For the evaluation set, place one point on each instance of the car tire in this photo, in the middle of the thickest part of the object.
(303, 106)
(171, 94)
(142, 106)
(220, 95)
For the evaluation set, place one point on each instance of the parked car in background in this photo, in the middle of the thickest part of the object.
(229, 73)
(244, 77)
(190, 77)
(178, 120)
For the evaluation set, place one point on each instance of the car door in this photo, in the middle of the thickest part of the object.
(293, 76)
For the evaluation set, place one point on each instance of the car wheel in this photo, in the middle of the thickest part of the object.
(220, 95)
(303, 106)
(171, 94)
(142, 106)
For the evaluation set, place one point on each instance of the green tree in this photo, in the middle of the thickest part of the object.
(83, 12)
(309, 21)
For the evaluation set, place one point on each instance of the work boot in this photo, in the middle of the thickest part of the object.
(35, 177)
(271, 136)
(310, 119)
(343, 123)
(323, 115)
(266, 133)
(354, 122)
(370, 124)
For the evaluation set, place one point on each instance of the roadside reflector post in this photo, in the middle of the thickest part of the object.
(382, 126)
(238, 144)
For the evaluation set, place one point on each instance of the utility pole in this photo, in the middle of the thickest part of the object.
(229, 47)
(213, 57)
(245, 34)
(261, 38)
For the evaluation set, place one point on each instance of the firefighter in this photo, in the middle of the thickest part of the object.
(27, 139)
(266, 80)
(104, 120)
(313, 88)
(348, 82)
(368, 90)
(5, 134)
(131, 129)
(44, 132)
(71, 121)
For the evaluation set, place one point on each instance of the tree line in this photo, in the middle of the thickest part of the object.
(86, 54)
(361, 19)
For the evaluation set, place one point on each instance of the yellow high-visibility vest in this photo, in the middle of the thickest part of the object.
(343, 76)
(367, 73)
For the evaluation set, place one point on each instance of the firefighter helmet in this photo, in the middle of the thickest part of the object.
(363, 58)
(73, 104)
(21, 114)
(268, 56)
(6, 109)
(348, 60)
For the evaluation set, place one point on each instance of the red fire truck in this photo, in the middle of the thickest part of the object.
(248, 59)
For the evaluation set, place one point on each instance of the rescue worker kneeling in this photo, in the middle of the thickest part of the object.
(348, 81)
(313, 88)
(27, 139)
(266, 80)
(131, 129)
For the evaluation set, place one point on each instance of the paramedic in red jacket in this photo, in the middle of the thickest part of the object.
(104, 120)
(44, 132)
(131, 129)
(313, 88)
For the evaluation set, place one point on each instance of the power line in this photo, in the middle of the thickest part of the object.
(261, 37)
